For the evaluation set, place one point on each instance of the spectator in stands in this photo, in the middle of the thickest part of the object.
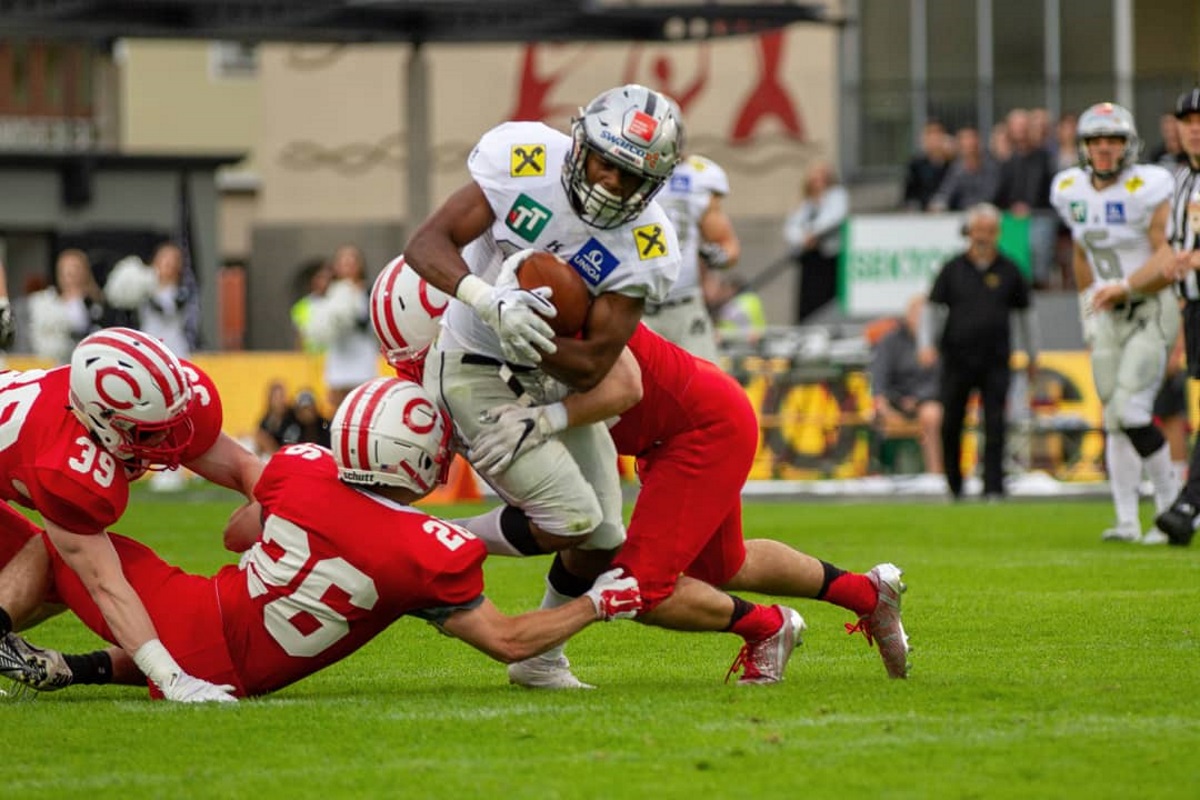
(1024, 191)
(61, 315)
(312, 427)
(1066, 149)
(904, 390)
(342, 323)
(999, 145)
(276, 422)
(973, 177)
(318, 275)
(1169, 152)
(171, 312)
(968, 312)
(735, 307)
(813, 232)
(927, 168)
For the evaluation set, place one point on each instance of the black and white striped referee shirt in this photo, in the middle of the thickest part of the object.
(1183, 230)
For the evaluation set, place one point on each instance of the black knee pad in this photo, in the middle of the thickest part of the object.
(1146, 440)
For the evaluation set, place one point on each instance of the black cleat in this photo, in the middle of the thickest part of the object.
(1179, 523)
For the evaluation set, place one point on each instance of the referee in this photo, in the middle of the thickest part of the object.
(1178, 261)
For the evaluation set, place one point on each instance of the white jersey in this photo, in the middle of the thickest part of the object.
(1111, 224)
(518, 165)
(686, 198)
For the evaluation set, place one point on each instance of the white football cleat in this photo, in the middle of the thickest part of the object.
(882, 626)
(541, 672)
(1154, 537)
(1122, 532)
(765, 660)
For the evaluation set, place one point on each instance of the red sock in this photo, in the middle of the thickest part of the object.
(758, 623)
(853, 591)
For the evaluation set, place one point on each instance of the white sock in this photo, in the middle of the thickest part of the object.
(553, 599)
(1124, 474)
(1161, 472)
(486, 526)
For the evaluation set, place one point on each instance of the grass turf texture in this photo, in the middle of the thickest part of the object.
(1047, 664)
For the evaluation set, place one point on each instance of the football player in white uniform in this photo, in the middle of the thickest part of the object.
(587, 197)
(1117, 211)
(692, 200)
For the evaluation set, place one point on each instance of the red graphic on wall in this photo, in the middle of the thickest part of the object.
(662, 67)
(537, 83)
(769, 98)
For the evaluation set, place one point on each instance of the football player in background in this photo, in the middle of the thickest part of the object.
(322, 521)
(71, 440)
(692, 200)
(695, 434)
(588, 198)
(1178, 261)
(1117, 211)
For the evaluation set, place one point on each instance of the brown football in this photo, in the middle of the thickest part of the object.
(571, 296)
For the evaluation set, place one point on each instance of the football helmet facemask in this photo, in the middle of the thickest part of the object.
(1108, 119)
(405, 312)
(131, 393)
(389, 432)
(630, 127)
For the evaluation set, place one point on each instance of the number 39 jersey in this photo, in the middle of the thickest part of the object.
(49, 462)
(1111, 224)
(518, 165)
(334, 566)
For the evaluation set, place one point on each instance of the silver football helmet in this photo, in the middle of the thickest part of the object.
(389, 432)
(633, 128)
(1108, 119)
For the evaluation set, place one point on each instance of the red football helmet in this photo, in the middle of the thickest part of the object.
(130, 391)
(405, 311)
(390, 432)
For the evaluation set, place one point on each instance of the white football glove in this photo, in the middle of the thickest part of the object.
(510, 312)
(615, 596)
(159, 666)
(511, 430)
(508, 270)
(184, 688)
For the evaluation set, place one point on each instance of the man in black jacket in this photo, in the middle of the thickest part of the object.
(976, 292)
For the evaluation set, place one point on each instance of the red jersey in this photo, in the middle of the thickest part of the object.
(50, 462)
(674, 399)
(335, 565)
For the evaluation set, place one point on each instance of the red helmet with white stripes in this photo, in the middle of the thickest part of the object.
(130, 391)
(389, 432)
(405, 310)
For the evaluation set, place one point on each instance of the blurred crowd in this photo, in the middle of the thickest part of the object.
(1011, 166)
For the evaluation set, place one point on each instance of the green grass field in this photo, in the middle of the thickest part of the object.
(1046, 665)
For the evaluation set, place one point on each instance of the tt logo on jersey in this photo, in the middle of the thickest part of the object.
(649, 241)
(527, 161)
(1079, 211)
(527, 218)
(594, 262)
(1114, 212)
